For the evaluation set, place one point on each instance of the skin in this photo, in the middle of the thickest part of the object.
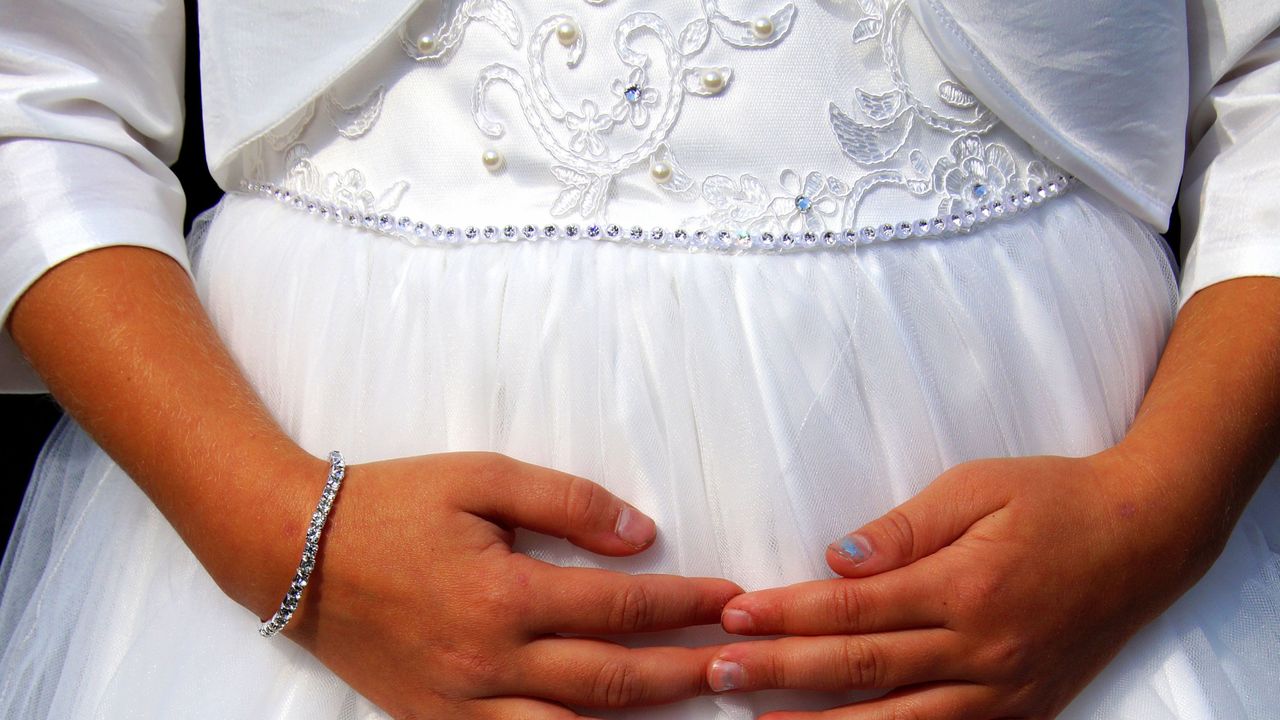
(935, 610)
(1005, 586)
(415, 568)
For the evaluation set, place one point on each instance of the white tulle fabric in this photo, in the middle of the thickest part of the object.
(756, 406)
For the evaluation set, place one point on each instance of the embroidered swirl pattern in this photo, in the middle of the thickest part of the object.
(594, 140)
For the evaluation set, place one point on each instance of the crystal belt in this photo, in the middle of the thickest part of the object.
(418, 232)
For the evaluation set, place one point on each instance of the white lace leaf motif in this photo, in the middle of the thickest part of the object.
(353, 121)
(879, 108)
(694, 36)
(870, 144)
(903, 129)
(585, 144)
(955, 95)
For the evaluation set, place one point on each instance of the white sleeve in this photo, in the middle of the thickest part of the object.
(1230, 204)
(90, 118)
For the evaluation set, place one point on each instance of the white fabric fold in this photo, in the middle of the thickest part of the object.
(1230, 204)
(90, 117)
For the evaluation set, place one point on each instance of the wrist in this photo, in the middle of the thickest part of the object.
(251, 547)
(1164, 513)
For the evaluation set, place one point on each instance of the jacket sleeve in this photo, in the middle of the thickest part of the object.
(1230, 204)
(90, 118)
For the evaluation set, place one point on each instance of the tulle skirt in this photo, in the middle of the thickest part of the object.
(756, 406)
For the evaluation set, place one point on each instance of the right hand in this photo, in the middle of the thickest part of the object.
(420, 604)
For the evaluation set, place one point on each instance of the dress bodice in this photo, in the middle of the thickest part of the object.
(799, 119)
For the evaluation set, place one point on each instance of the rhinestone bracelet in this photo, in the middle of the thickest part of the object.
(337, 469)
(723, 240)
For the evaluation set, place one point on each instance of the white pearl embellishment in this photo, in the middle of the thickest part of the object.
(426, 43)
(762, 27)
(712, 81)
(493, 160)
(566, 33)
(660, 172)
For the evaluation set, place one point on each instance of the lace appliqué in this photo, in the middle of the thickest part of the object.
(351, 121)
(441, 39)
(974, 173)
(648, 96)
(347, 190)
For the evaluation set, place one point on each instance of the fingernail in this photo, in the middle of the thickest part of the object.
(737, 621)
(634, 528)
(853, 548)
(726, 675)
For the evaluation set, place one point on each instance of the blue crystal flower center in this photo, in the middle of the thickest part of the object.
(632, 93)
(979, 190)
(803, 203)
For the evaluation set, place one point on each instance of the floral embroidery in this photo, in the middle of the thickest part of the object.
(931, 140)
(975, 171)
(346, 189)
(973, 174)
(634, 98)
(585, 128)
(578, 141)
(809, 205)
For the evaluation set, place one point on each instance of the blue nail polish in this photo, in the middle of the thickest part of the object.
(852, 548)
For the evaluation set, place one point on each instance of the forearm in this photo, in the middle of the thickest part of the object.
(1209, 426)
(123, 343)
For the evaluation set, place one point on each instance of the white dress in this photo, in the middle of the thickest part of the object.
(763, 274)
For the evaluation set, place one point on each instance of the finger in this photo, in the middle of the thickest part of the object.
(600, 602)
(940, 701)
(520, 494)
(506, 708)
(908, 598)
(839, 662)
(921, 526)
(599, 674)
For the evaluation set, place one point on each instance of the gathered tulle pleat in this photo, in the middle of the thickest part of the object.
(756, 406)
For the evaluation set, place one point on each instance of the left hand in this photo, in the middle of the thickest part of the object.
(999, 591)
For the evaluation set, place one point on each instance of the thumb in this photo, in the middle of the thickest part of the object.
(917, 528)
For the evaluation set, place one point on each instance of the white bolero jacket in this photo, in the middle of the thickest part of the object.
(1134, 101)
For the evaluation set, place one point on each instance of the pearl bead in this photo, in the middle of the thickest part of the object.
(660, 172)
(762, 27)
(426, 43)
(492, 160)
(712, 81)
(567, 33)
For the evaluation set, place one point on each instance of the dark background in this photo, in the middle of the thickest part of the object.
(31, 417)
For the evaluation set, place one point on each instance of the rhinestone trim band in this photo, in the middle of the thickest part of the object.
(337, 469)
(417, 232)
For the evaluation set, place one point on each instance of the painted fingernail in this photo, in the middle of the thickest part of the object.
(853, 548)
(726, 675)
(737, 621)
(634, 528)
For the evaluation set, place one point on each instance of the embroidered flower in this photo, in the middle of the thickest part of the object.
(975, 173)
(807, 204)
(741, 204)
(634, 98)
(585, 128)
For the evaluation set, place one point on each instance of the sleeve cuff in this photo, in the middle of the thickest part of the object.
(1207, 266)
(64, 199)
